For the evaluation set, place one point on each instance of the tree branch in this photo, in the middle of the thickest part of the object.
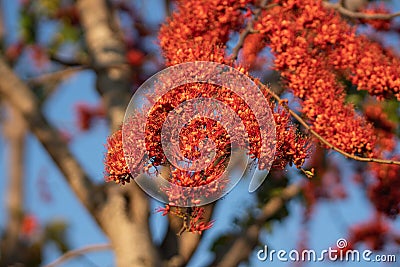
(15, 131)
(249, 29)
(130, 238)
(79, 252)
(167, 7)
(124, 219)
(182, 247)
(244, 244)
(2, 30)
(54, 77)
(319, 137)
(18, 94)
(107, 53)
(68, 63)
(338, 6)
(358, 15)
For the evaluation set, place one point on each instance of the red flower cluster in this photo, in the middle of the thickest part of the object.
(198, 27)
(87, 113)
(252, 46)
(384, 128)
(313, 49)
(195, 132)
(374, 233)
(384, 193)
(378, 24)
(291, 147)
(187, 36)
(368, 66)
(135, 57)
(116, 167)
(199, 31)
(193, 218)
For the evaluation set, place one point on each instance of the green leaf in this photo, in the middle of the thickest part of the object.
(27, 23)
(69, 32)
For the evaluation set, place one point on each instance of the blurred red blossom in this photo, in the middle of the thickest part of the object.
(378, 24)
(87, 114)
(29, 225)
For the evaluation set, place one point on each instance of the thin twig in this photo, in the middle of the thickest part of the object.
(322, 139)
(79, 252)
(54, 76)
(359, 15)
(68, 63)
(249, 29)
(167, 4)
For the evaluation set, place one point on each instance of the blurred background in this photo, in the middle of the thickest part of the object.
(44, 43)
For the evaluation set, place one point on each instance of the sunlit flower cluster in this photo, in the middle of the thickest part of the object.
(252, 46)
(116, 167)
(197, 25)
(378, 24)
(303, 37)
(367, 65)
(291, 147)
(193, 218)
(199, 31)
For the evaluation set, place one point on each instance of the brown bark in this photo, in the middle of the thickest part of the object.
(15, 131)
(22, 99)
(179, 249)
(124, 216)
(131, 239)
(244, 244)
(355, 5)
(107, 53)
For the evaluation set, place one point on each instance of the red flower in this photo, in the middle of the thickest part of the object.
(304, 40)
(374, 233)
(384, 192)
(378, 24)
(135, 57)
(29, 225)
(87, 114)
(116, 167)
